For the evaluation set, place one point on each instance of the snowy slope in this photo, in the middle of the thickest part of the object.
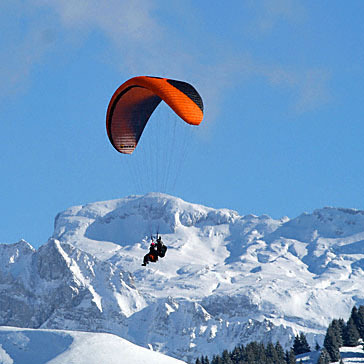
(226, 279)
(27, 346)
(349, 355)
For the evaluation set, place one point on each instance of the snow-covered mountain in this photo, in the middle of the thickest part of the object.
(226, 279)
(30, 346)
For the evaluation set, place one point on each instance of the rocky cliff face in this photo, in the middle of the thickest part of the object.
(60, 286)
(226, 279)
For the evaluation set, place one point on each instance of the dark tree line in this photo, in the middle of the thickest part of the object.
(338, 334)
(253, 353)
(341, 333)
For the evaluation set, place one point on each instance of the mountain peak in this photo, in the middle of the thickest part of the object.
(224, 276)
(133, 218)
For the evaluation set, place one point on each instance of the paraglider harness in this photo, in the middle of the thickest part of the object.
(156, 249)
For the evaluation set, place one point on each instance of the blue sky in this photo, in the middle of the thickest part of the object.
(281, 80)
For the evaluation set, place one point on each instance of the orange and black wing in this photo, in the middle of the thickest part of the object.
(135, 100)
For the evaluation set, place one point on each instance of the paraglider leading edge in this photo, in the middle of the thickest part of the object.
(135, 100)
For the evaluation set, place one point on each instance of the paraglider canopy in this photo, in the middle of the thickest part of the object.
(135, 100)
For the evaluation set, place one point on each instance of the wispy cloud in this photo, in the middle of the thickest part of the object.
(310, 86)
(140, 41)
(143, 44)
(120, 20)
(269, 13)
(24, 43)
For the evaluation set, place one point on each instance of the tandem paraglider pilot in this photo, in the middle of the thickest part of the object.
(156, 249)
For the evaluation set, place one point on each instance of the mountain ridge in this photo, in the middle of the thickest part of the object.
(228, 278)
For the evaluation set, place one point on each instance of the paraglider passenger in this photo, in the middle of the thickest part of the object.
(161, 248)
(152, 256)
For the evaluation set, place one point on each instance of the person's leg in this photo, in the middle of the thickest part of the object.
(146, 259)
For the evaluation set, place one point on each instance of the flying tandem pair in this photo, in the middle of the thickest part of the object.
(129, 110)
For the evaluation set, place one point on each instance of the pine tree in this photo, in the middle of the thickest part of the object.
(331, 344)
(198, 361)
(236, 354)
(324, 357)
(342, 325)
(242, 353)
(271, 353)
(296, 345)
(360, 322)
(250, 352)
(300, 344)
(305, 347)
(217, 360)
(338, 327)
(280, 353)
(354, 314)
(290, 357)
(351, 334)
(261, 353)
(226, 357)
